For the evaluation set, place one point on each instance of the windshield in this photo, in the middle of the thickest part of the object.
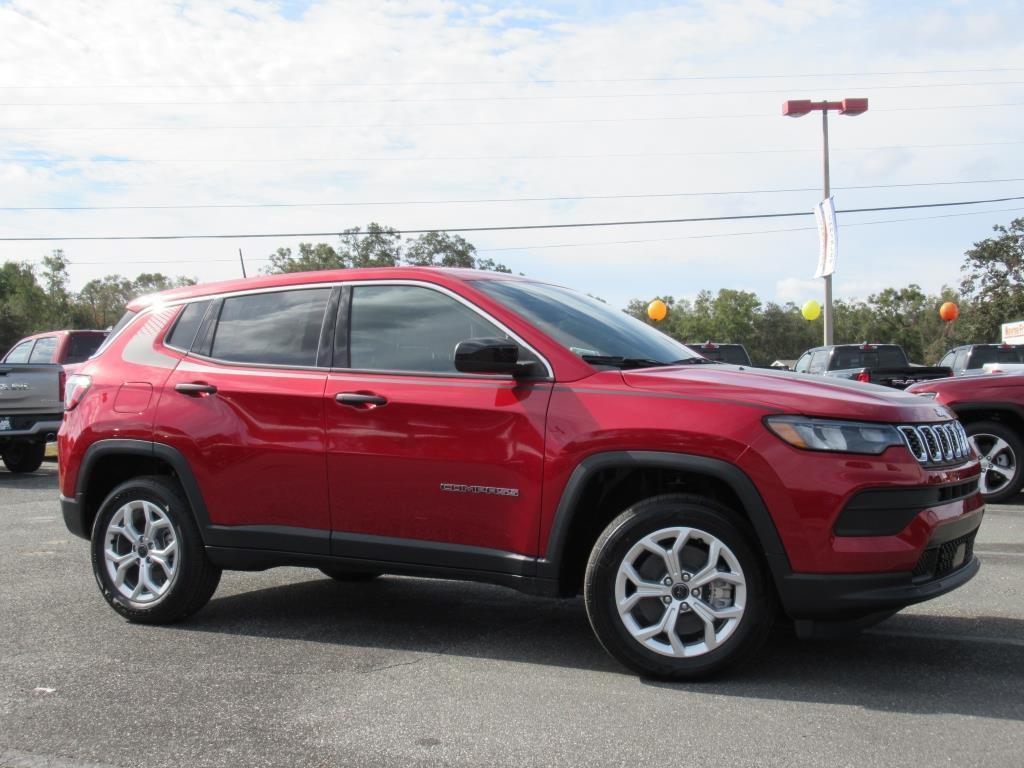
(585, 326)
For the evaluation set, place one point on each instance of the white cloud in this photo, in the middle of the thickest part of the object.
(439, 62)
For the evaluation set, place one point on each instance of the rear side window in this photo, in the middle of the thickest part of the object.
(877, 357)
(409, 328)
(185, 329)
(819, 360)
(82, 346)
(280, 328)
(20, 353)
(44, 349)
(125, 319)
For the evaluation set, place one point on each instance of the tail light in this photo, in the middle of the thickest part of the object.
(75, 388)
(864, 376)
(62, 383)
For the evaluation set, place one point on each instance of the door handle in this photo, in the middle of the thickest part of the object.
(357, 399)
(195, 389)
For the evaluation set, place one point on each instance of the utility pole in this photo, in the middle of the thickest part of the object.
(799, 108)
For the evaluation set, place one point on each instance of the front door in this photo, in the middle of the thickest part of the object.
(420, 456)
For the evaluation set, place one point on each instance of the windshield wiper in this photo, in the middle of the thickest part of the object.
(621, 362)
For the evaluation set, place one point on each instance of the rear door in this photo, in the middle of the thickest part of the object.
(426, 463)
(245, 406)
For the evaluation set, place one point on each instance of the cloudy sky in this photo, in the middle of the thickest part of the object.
(287, 116)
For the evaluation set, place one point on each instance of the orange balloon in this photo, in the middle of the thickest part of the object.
(657, 310)
(949, 311)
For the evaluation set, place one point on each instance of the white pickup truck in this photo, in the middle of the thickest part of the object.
(31, 411)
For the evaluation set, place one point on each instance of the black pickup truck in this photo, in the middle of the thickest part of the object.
(884, 364)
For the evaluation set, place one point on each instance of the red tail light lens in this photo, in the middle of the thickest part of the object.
(75, 388)
(62, 383)
(864, 376)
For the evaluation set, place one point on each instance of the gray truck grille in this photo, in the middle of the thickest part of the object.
(937, 443)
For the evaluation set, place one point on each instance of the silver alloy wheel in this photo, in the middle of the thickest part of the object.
(141, 552)
(998, 462)
(680, 592)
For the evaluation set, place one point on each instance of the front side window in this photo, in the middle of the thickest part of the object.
(803, 363)
(44, 349)
(947, 361)
(281, 328)
(411, 328)
(20, 353)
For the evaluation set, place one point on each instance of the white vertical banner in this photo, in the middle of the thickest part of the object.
(828, 245)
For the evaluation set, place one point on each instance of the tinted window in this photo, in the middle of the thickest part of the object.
(271, 328)
(20, 353)
(876, 357)
(44, 349)
(184, 331)
(992, 354)
(583, 325)
(81, 346)
(408, 328)
(125, 319)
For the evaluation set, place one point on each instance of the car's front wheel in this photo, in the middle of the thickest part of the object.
(674, 588)
(147, 554)
(1000, 451)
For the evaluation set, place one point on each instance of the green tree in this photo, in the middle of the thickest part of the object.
(23, 306)
(993, 282)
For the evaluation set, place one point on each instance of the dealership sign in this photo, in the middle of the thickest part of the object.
(1013, 333)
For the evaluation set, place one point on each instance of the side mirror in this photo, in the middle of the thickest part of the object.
(495, 356)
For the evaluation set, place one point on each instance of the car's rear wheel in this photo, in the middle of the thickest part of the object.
(147, 554)
(1001, 452)
(340, 574)
(24, 456)
(674, 588)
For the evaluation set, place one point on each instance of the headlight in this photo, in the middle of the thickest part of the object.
(828, 435)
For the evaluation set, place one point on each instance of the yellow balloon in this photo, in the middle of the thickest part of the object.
(811, 310)
(657, 310)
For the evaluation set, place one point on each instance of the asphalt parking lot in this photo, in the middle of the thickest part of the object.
(286, 667)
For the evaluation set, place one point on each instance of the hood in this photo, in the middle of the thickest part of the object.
(787, 392)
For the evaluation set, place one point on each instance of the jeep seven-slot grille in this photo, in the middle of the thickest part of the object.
(936, 443)
(945, 558)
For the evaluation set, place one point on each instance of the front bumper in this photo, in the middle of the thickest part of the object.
(946, 563)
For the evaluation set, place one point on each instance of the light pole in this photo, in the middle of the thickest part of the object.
(799, 108)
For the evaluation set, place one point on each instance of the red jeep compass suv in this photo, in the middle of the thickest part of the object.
(475, 425)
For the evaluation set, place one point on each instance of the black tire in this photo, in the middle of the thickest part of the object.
(1012, 456)
(24, 456)
(195, 578)
(348, 577)
(667, 511)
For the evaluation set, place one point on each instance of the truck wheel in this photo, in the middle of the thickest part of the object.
(1000, 451)
(147, 554)
(675, 590)
(340, 574)
(24, 456)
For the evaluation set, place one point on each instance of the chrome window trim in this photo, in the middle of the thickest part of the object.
(356, 283)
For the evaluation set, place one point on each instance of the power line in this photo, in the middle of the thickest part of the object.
(465, 201)
(529, 81)
(461, 124)
(712, 235)
(511, 228)
(502, 158)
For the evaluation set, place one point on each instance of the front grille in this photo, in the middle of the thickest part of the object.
(933, 444)
(938, 561)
